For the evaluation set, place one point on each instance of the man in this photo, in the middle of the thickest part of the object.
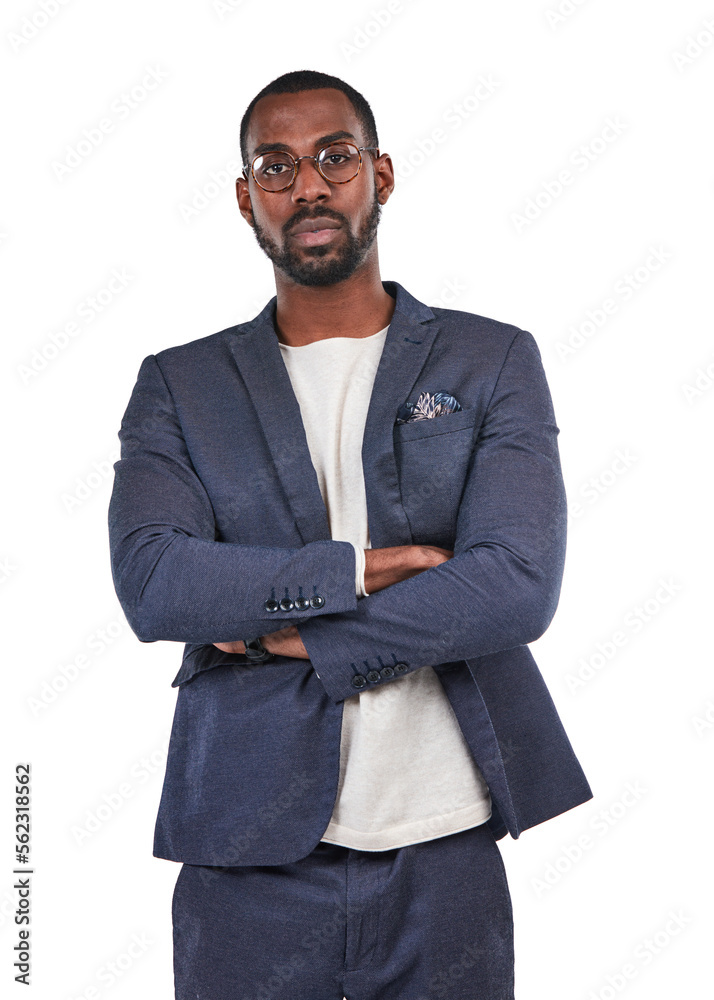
(351, 511)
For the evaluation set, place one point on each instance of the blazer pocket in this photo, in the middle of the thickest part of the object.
(415, 430)
(432, 457)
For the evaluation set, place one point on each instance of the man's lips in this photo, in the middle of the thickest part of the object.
(316, 222)
(317, 238)
(314, 232)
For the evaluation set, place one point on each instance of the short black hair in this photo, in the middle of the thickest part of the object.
(308, 79)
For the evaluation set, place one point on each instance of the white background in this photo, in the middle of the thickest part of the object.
(644, 716)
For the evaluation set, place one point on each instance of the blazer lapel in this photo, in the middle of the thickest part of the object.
(256, 350)
(406, 348)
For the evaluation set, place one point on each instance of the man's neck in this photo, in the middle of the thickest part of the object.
(356, 307)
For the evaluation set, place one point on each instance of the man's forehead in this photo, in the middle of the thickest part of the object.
(302, 118)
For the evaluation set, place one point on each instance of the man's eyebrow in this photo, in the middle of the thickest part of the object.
(267, 147)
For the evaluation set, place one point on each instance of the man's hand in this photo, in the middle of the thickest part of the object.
(231, 647)
(383, 567)
(284, 642)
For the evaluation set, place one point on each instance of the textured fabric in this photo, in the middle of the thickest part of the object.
(428, 922)
(216, 510)
(332, 380)
(486, 480)
(360, 566)
(433, 787)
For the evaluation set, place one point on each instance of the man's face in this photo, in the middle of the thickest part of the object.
(303, 123)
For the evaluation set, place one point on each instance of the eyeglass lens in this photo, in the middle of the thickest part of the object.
(338, 162)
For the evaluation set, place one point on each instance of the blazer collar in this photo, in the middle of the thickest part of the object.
(256, 350)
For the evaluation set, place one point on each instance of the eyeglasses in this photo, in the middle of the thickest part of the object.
(337, 163)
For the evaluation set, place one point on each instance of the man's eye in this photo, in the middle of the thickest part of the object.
(275, 168)
(336, 158)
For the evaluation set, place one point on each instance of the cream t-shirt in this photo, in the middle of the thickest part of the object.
(406, 771)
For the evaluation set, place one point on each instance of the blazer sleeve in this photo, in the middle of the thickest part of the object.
(501, 587)
(173, 579)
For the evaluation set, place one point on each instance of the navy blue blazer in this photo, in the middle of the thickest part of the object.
(218, 532)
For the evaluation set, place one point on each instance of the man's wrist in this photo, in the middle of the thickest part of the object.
(360, 564)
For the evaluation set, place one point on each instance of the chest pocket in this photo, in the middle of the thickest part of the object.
(432, 457)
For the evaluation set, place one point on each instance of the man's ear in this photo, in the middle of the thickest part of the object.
(244, 203)
(384, 177)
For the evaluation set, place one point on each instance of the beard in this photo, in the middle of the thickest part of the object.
(309, 266)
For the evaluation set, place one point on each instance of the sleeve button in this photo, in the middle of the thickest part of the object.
(358, 681)
(387, 672)
(271, 604)
(317, 601)
(302, 603)
(399, 668)
(286, 604)
(373, 676)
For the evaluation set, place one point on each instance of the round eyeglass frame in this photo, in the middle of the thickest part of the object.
(296, 161)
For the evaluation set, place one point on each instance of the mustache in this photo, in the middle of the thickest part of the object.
(320, 213)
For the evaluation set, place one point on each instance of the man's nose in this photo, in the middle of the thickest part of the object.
(309, 184)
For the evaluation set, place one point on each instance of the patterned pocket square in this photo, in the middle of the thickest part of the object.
(428, 405)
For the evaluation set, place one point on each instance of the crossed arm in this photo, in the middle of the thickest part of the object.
(499, 590)
(383, 567)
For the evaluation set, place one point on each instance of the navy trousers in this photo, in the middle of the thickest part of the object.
(431, 921)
